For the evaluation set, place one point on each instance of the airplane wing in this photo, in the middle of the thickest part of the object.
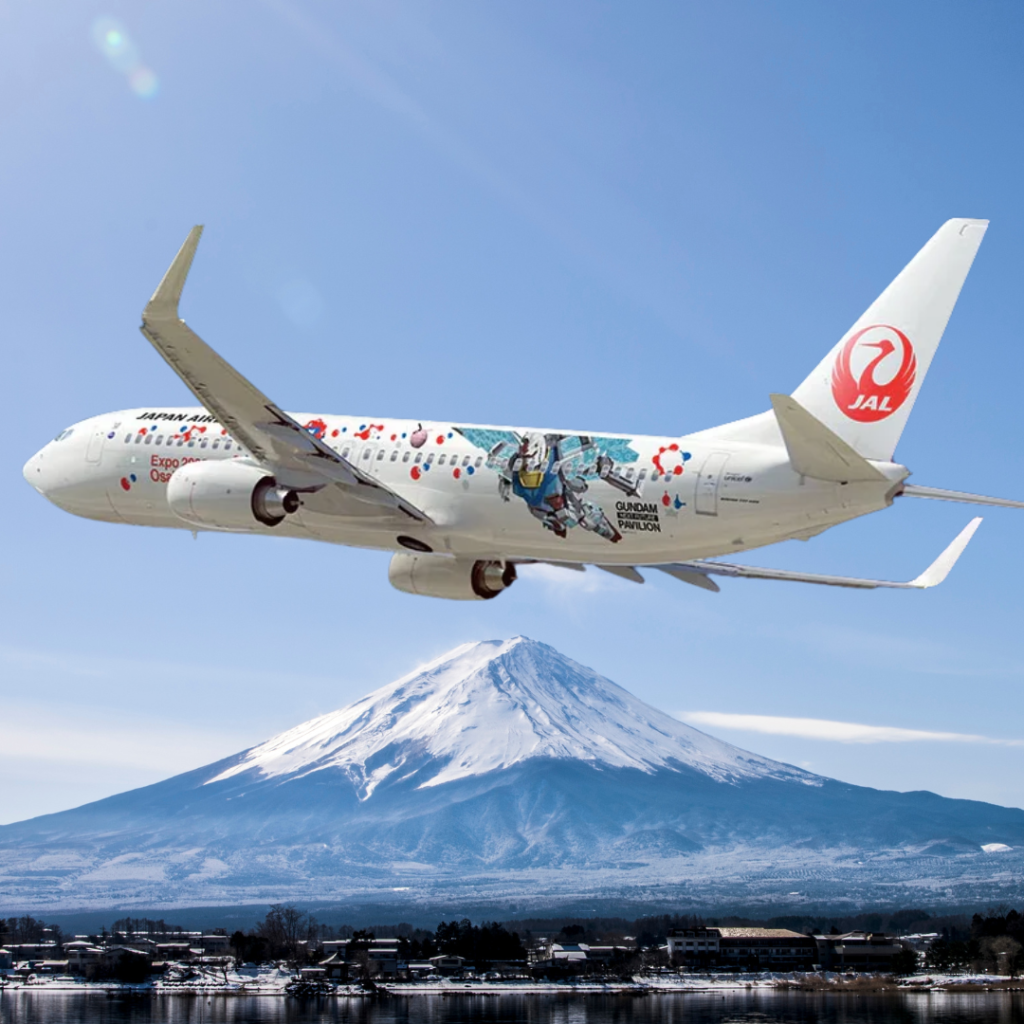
(296, 458)
(698, 571)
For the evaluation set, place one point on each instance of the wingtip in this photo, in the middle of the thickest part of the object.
(939, 569)
(164, 301)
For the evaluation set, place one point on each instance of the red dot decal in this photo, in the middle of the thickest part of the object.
(456, 472)
(440, 438)
(393, 436)
(125, 485)
(415, 472)
(677, 470)
(666, 500)
(334, 433)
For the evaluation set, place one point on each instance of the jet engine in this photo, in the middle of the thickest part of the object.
(458, 579)
(228, 495)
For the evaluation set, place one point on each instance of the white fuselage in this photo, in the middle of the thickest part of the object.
(489, 492)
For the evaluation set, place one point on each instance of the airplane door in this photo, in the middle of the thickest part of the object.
(95, 448)
(366, 459)
(706, 503)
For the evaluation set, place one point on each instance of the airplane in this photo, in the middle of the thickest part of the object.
(460, 506)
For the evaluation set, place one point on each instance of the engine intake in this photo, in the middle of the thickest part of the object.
(229, 495)
(457, 579)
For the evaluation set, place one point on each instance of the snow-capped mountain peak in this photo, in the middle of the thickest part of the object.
(490, 705)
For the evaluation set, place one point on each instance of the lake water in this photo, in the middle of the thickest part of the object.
(691, 1008)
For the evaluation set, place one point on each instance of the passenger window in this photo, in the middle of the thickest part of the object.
(227, 446)
(191, 444)
(479, 461)
(202, 444)
(405, 457)
(419, 457)
(128, 437)
(380, 455)
(394, 455)
(465, 462)
(138, 439)
(180, 442)
(344, 454)
(643, 474)
(430, 458)
(629, 473)
(216, 444)
(149, 439)
(366, 454)
(440, 461)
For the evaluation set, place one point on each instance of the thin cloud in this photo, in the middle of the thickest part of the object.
(826, 729)
(43, 737)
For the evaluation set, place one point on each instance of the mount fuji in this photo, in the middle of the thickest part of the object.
(505, 775)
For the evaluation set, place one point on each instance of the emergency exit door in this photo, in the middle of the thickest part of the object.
(706, 503)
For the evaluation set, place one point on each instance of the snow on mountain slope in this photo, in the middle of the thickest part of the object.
(490, 705)
(504, 773)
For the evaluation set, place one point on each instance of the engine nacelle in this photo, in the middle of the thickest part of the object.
(228, 495)
(457, 579)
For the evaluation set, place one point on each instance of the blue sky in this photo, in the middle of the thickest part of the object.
(610, 217)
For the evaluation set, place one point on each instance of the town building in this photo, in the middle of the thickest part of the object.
(447, 965)
(693, 947)
(346, 958)
(858, 951)
(82, 955)
(774, 949)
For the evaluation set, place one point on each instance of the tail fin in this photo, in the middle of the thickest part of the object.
(864, 389)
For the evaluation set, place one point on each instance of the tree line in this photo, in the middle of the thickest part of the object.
(993, 944)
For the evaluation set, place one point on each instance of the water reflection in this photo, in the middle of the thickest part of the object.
(696, 1008)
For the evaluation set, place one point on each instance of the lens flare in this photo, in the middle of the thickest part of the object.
(144, 82)
(113, 41)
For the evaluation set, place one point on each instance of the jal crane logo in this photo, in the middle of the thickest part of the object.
(864, 397)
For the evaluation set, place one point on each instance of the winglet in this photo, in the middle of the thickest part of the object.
(164, 303)
(939, 569)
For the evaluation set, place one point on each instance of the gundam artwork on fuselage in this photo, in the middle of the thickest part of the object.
(552, 473)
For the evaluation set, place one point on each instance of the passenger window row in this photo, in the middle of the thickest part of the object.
(158, 439)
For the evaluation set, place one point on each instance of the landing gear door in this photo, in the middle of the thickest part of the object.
(706, 502)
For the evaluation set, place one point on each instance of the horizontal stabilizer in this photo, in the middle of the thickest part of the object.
(816, 451)
(913, 491)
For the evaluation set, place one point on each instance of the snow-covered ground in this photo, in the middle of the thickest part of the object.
(275, 981)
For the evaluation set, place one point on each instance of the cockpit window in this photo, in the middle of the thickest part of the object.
(65, 434)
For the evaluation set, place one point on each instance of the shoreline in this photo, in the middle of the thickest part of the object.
(284, 984)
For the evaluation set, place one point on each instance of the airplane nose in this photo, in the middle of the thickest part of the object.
(33, 472)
